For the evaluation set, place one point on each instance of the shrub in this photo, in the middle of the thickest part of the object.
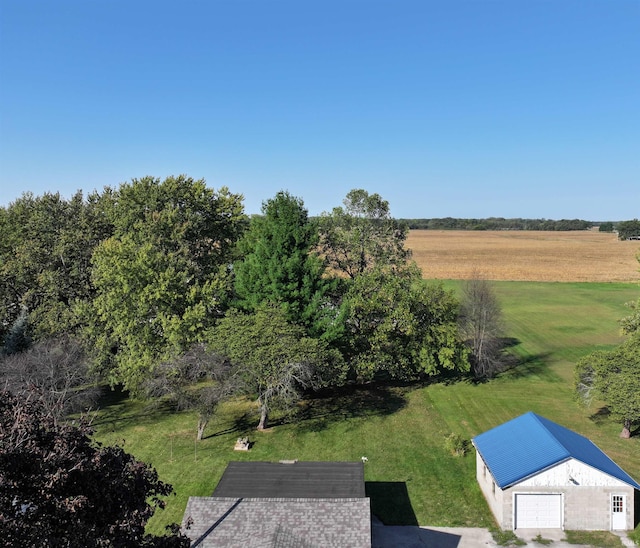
(506, 538)
(456, 445)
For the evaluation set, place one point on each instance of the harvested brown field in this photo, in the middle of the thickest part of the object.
(576, 256)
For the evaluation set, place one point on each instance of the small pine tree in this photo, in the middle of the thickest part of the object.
(17, 338)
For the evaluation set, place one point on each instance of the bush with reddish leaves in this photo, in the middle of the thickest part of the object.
(58, 487)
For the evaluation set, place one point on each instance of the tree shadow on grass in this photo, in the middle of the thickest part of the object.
(390, 502)
(531, 366)
(517, 366)
(510, 366)
(320, 409)
(241, 425)
(116, 410)
(601, 415)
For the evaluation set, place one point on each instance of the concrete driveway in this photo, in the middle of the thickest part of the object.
(384, 536)
(434, 537)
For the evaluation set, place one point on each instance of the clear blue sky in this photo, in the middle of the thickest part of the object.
(462, 108)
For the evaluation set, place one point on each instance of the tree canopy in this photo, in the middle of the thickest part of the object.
(164, 276)
(631, 324)
(397, 326)
(59, 488)
(613, 376)
(499, 223)
(628, 229)
(146, 272)
(387, 322)
(279, 265)
(362, 235)
(276, 358)
(45, 253)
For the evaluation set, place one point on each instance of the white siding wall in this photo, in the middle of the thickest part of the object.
(572, 473)
(490, 490)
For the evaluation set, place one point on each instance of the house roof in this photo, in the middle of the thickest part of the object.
(221, 522)
(297, 504)
(292, 480)
(529, 444)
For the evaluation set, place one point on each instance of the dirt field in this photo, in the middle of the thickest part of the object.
(576, 256)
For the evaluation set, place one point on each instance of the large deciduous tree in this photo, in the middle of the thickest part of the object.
(280, 266)
(398, 326)
(275, 358)
(362, 235)
(45, 253)
(164, 276)
(614, 377)
(390, 324)
(59, 488)
(481, 327)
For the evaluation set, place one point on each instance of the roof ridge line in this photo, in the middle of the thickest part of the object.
(571, 455)
(553, 437)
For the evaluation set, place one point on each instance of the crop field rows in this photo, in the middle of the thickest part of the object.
(576, 256)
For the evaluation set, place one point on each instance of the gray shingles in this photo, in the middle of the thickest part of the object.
(274, 505)
(295, 480)
(272, 523)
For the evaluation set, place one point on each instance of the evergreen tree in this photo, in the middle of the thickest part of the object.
(17, 338)
(280, 266)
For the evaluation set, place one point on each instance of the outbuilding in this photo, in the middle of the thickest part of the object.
(536, 474)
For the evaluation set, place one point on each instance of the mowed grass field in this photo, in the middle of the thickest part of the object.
(410, 476)
(573, 256)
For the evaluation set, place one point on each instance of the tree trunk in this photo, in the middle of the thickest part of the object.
(626, 429)
(264, 415)
(202, 424)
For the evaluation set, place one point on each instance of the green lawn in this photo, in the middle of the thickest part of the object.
(401, 429)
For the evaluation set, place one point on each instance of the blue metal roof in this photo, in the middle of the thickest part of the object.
(529, 444)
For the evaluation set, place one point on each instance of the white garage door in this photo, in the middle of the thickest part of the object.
(538, 511)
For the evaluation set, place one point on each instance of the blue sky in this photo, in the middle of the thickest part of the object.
(461, 108)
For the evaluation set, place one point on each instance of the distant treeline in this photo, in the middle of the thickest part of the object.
(498, 223)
